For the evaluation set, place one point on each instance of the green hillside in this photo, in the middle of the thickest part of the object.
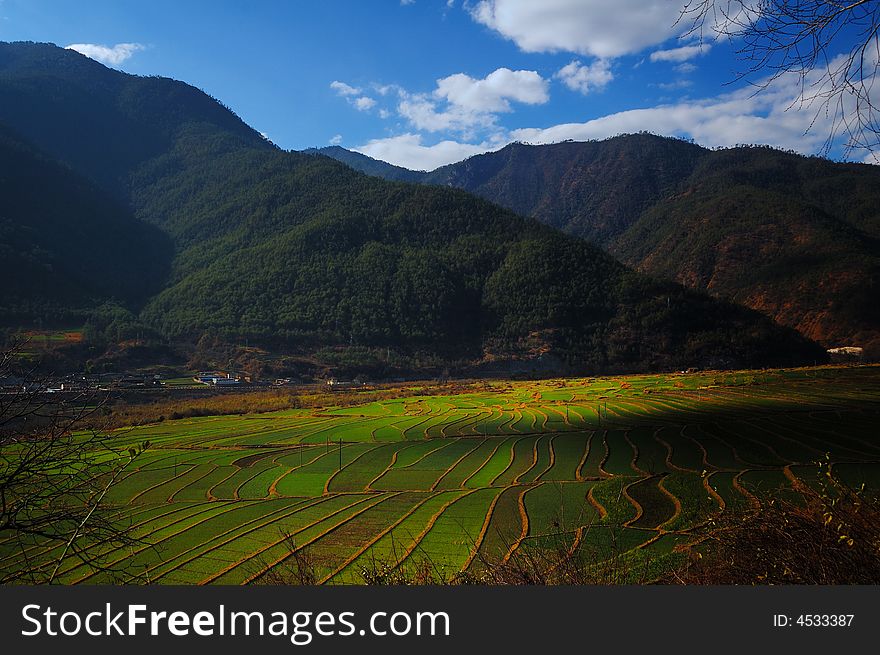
(66, 246)
(793, 237)
(299, 252)
(328, 256)
(590, 189)
(101, 122)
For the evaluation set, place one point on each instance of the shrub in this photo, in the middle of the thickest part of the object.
(829, 534)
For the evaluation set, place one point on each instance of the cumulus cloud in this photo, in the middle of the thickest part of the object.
(680, 54)
(685, 68)
(335, 140)
(464, 104)
(364, 103)
(110, 55)
(585, 79)
(770, 117)
(775, 116)
(353, 95)
(407, 150)
(423, 113)
(585, 27)
(493, 93)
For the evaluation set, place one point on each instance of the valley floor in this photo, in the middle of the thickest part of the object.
(614, 467)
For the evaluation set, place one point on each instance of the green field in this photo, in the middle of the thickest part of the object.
(640, 461)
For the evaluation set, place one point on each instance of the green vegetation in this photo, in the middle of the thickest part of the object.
(328, 256)
(778, 239)
(233, 499)
(142, 219)
(793, 237)
(65, 246)
(298, 253)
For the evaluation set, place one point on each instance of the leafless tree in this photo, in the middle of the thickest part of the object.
(831, 47)
(54, 477)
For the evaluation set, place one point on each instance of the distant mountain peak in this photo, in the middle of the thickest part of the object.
(59, 99)
(368, 165)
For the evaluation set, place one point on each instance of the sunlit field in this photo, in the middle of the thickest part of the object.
(628, 467)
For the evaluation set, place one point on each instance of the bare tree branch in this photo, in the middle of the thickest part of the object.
(831, 48)
(55, 477)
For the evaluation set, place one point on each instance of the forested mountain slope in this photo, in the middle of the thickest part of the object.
(791, 236)
(65, 245)
(299, 251)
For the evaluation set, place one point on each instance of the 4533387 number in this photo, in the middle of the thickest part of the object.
(813, 620)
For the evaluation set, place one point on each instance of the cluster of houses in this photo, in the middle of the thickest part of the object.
(337, 385)
(219, 378)
(79, 382)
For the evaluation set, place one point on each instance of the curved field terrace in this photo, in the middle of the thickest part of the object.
(636, 462)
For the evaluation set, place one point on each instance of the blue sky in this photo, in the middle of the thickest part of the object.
(421, 83)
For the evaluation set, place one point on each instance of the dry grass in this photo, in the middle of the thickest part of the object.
(123, 414)
(829, 535)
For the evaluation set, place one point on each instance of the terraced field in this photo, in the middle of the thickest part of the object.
(629, 465)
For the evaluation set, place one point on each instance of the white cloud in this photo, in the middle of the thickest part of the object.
(384, 113)
(681, 54)
(111, 55)
(685, 68)
(384, 89)
(364, 103)
(347, 91)
(743, 116)
(585, 27)
(585, 79)
(344, 89)
(405, 3)
(493, 93)
(423, 113)
(772, 117)
(677, 84)
(407, 150)
(723, 121)
(464, 104)
(335, 140)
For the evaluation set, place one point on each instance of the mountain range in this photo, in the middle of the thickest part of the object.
(219, 235)
(796, 238)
